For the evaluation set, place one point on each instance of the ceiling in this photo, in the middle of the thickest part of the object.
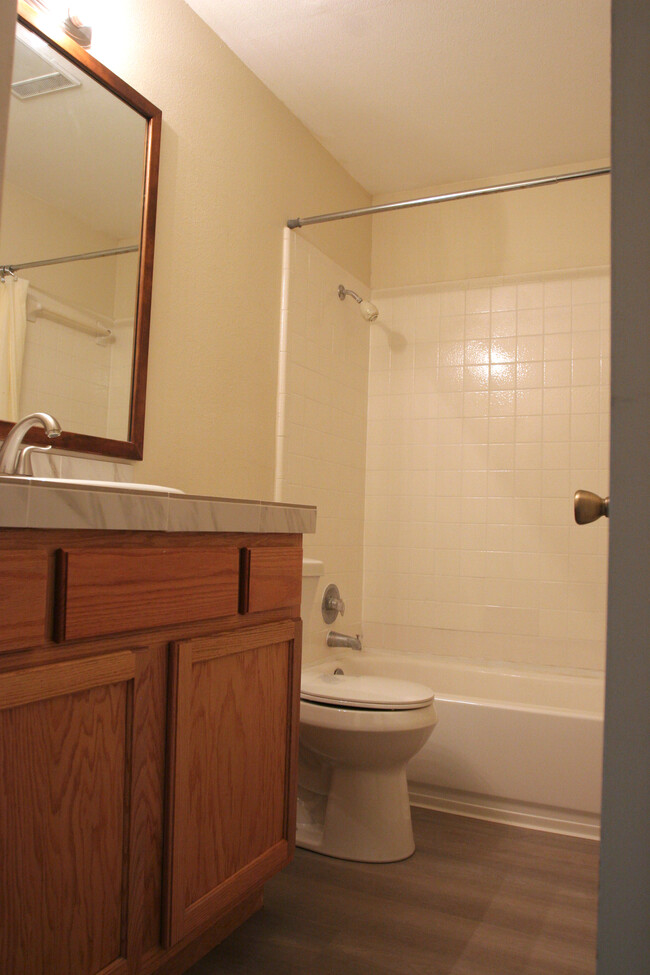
(415, 93)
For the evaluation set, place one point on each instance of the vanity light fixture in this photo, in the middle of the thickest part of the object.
(70, 18)
(75, 27)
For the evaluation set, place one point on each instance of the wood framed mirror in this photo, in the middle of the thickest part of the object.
(76, 243)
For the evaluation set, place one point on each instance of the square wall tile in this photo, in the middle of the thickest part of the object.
(514, 414)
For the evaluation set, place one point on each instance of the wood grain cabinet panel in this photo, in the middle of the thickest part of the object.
(23, 599)
(271, 579)
(106, 591)
(233, 736)
(65, 755)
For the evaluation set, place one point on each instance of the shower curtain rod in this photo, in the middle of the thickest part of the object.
(462, 195)
(11, 268)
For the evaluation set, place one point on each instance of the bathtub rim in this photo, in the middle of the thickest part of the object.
(594, 680)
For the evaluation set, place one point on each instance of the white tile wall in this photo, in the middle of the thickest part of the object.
(67, 374)
(482, 422)
(322, 418)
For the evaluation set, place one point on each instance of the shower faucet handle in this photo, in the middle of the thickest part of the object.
(332, 604)
(337, 604)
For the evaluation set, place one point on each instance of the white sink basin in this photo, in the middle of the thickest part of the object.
(82, 482)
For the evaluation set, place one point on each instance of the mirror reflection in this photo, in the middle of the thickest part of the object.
(73, 187)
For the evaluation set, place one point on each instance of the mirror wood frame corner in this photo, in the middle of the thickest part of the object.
(131, 449)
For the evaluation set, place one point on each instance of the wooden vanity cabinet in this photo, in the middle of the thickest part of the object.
(148, 745)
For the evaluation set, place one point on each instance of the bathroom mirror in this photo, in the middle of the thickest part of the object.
(80, 179)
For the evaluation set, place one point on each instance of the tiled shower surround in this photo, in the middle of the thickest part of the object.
(481, 425)
(487, 407)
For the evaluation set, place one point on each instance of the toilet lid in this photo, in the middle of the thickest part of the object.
(372, 693)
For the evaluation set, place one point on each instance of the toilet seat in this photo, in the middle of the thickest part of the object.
(365, 693)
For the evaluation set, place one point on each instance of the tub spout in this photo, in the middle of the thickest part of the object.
(335, 639)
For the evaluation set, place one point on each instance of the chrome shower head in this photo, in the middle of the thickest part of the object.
(367, 309)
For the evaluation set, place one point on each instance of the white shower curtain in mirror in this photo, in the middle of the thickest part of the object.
(13, 324)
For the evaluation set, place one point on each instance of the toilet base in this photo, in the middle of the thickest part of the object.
(366, 816)
(353, 796)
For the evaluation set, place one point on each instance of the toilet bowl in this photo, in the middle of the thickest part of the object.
(357, 735)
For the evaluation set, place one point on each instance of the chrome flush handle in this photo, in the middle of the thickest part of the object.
(588, 507)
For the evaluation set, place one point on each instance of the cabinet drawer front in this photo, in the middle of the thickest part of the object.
(23, 599)
(119, 590)
(271, 579)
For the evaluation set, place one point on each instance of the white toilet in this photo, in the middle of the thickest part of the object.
(357, 735)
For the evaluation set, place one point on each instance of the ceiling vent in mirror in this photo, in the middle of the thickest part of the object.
(43, 85)
(38, 70)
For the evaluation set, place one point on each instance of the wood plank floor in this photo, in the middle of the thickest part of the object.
(477, 898)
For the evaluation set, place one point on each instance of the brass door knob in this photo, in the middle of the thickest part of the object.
(588, 506)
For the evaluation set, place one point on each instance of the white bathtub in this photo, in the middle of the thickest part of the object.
(512, 744)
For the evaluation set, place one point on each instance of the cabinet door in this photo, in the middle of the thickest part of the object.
(66, 767)
(233, 743)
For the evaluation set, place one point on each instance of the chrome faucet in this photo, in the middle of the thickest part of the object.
(11, 450)
(335, 639)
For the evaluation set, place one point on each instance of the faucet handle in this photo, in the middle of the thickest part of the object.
(332, 604)
(24, 465)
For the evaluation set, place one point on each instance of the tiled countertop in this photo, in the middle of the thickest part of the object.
(33, 503)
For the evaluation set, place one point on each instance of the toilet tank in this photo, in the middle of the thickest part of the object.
(314, 629)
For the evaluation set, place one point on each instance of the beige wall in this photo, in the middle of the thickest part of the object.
(547, 228)
(235, 165)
